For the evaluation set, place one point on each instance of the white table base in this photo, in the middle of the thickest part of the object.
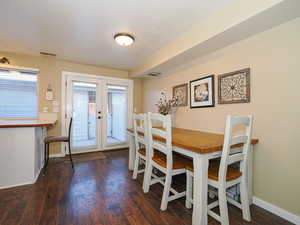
(201, 162)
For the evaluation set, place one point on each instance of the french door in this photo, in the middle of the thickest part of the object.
(117, 113)
(84, 106)
(101, 109)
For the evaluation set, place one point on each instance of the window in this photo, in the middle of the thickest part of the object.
(18, 94)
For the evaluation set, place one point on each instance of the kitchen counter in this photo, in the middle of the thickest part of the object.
(22, 150)
(25, 123)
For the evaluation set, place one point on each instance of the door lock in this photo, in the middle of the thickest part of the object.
(99, 117)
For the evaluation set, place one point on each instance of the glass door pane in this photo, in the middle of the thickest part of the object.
(84, 111)
(117, 109)
(100, 110)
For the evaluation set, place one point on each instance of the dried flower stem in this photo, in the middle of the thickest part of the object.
(165, 105)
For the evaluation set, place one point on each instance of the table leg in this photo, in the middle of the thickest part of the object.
(131, 151)
(200, 190)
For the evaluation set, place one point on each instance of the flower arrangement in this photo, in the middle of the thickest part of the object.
(165, 105)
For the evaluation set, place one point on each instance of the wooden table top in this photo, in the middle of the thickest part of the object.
(25, 123)
(197, 141)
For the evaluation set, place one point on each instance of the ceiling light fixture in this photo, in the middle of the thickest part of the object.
(124, 39)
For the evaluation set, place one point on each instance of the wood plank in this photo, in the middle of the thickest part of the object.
(102, 192)
(197, 141)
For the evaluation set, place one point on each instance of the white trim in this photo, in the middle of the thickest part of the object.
(59, 155)
(85, 151)
(16, 185)
(107, 148)
(63, 109)
(26, 69)
(104, 79)
(65, 73)
(276, 210)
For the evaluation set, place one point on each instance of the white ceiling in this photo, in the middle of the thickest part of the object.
(83, 30)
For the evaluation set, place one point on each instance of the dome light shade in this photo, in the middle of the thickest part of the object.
(124, 39)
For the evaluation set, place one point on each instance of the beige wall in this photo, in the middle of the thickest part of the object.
(274, 59)
(51, 72)
(137, 98)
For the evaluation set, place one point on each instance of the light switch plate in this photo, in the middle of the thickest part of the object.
(55, 103)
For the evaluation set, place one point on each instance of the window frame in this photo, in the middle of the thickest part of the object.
(29, 70)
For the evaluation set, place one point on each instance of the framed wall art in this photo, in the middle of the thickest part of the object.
(234, 87)
(202, 92)
(181, 93)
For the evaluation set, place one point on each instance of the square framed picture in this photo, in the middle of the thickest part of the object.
(181, 93)
(202, 92)
(234, 87)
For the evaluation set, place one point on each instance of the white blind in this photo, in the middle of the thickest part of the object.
(18, 94)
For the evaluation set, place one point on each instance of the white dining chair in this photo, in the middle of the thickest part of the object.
(222, 176)
(140, 127)
(162, 158)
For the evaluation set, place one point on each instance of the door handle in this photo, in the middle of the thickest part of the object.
(99, 117)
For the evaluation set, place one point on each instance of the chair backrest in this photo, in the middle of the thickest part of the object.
(230, 140)
(70, 128)
(140, 126)
(165, 134)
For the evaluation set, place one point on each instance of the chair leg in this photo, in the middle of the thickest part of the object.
(223, 206)
(145, 174)
(166, 193)
(48, 153)
(136, 166)
(148, 178)
(46, 157)
(189, 190)
(245, 201)
(70, 155)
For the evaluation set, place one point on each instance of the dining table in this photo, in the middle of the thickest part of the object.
(201, 147)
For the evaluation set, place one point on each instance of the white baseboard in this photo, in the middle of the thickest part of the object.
(113, 147)
(15, 185)
(57, 155)
(277, 211)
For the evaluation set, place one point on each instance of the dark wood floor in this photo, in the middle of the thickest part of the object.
(101, 192)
